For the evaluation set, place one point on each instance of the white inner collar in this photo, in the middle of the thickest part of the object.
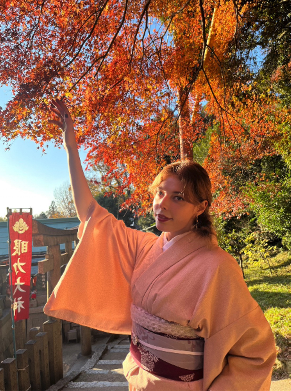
(167, 244)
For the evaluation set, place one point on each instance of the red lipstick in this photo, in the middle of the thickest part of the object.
(162, 218)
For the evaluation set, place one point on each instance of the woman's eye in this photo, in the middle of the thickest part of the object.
(178, 198)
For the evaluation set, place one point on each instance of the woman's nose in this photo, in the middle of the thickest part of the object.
(164, 202)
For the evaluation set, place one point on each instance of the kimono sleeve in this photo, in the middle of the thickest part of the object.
(239, 349)
(94, 290)
(244, 353)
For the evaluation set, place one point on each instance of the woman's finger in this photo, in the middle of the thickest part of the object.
(54, 105)
(59, 108)
(60, 105)
(56, 111)
(58, 123)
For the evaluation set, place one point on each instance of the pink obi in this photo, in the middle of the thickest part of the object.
(166, 349)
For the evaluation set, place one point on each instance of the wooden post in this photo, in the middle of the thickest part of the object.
(22, 369)
(33, 332)
(54, 331)
(68, 248)
(20, 333)
(2, 384)
(54, 275)
(52, 238)
(10, 374)
(42, 341)
(33, 361)
(85, 333)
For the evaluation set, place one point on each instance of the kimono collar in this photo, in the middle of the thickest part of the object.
(168, 243)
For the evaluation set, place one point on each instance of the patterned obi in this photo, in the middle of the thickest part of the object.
(165, 348)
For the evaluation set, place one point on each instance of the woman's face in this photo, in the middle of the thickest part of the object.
(172, 213)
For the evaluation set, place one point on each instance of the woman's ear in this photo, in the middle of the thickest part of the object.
(202, 206)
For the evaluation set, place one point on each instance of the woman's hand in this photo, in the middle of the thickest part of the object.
(65, 121)
(81, 193)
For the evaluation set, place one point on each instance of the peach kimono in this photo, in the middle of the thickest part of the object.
(193, 283)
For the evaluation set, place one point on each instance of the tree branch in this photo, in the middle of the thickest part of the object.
(137, 29)
(106, 53)
(89, 35)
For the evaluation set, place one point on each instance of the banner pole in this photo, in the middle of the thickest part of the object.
(9, 212)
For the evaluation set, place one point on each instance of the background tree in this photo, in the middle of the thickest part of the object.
(113, 202)
(64, 201)
(135, 75)
(53, 212)
(42, 215)
(121, 65)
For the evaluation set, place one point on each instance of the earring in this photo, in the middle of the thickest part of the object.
(196, 223)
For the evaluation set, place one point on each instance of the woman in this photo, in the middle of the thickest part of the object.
(193, 322)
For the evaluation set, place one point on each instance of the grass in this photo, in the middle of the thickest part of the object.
(271, 288)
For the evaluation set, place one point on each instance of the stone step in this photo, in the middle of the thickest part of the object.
(111, 355)
(97, 374)
(124, 341)
(119, 348)
(94, 386)
(124, 347)
(120, 340)
(108, 364)
(106, 373)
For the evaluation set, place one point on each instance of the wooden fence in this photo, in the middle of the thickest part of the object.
(39, 364)
(39, 361)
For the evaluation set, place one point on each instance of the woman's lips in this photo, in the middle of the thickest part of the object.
(162, 218)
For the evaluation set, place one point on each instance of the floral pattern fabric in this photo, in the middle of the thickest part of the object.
(155, 365)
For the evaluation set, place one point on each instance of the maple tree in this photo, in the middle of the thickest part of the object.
(260, 98)
(134, 75)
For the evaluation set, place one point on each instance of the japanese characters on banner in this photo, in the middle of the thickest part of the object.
(20, 231)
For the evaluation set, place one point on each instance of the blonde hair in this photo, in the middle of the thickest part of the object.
(196, 188)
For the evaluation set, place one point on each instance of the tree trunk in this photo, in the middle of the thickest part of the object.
(185, 118)
(186, 152)
(206, 57)
(241, 265)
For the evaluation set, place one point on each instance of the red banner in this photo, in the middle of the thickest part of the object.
(20, 231)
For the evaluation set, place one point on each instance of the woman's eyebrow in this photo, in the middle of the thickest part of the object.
(173, 192)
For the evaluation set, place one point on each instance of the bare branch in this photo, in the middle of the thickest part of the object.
(144, 33)
(137, 29)
(34, 28)
(222, 109)
(203, 29)
(113, 39)
(88, 36)
(102, 58)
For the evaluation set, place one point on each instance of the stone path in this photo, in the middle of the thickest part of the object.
(103, 371)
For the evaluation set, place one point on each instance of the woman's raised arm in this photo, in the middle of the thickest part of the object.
(81, 193)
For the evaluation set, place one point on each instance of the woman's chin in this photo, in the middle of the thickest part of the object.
(160, 226)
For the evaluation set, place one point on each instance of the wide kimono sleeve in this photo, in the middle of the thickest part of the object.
(247, 348)
(94, 290)
(239, 344)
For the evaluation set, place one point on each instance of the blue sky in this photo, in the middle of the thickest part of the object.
(28, 177)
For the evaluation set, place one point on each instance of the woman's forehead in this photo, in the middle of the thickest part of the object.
(172, 183)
